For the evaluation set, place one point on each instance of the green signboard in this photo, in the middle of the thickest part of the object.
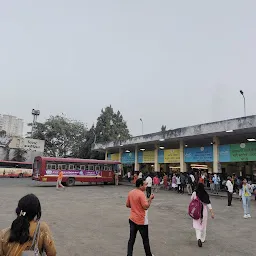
(243, 152)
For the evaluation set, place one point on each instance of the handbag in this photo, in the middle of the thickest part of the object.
(33, 250)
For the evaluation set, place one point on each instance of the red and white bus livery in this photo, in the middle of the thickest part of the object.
(15, 169)
(46, 169)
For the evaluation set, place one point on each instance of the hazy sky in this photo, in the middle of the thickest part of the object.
(170, 62)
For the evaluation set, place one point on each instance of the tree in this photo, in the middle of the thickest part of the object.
(163, 131)
(66, 138)
(19, 155)
(111, 126)
(62, 136)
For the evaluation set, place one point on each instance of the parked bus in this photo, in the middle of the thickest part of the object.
(15, 169)
(46, 169)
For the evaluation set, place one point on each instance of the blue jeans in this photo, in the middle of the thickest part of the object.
(246, 204)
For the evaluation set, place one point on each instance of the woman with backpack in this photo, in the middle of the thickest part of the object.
(200, 222)
(27, 235)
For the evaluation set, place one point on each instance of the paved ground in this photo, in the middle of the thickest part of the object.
(93, 221)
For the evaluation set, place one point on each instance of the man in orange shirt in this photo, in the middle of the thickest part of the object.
(59, 180)
(138, 220)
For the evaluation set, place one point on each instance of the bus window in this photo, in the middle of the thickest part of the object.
(25, 166)
(105, 168)
(86, 167)
(82, 167)
(62, 166)
(97, 167)
(53, 166)
(90, 167)
(77, 167)
(110, 168)
(48, 167)
(71, 167)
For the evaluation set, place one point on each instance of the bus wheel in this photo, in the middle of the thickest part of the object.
(20, 175)
(105, 183)
(71, 182)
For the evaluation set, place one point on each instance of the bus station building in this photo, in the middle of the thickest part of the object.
(224, 147)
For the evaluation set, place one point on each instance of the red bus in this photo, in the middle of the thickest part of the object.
(45, 169)
(14, 169)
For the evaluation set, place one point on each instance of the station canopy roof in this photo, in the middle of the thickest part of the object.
(230, 131)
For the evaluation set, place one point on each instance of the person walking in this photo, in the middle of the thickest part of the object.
(140, 175)
(149, 182)
(200, 225)
(178, 182)
(129, 176)
(216, 181)
(189, 185)
(183, 182)
(174, 182)
(193, 179)
(211, 184)
(59, 180)
(230, 189)
(156, 183)
(135, 177)
(27, 225)
(165, 179)
(138, 220)
(246, 198)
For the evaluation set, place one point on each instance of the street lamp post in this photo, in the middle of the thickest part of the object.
(242, 93)
(35, 114)
(142, 125)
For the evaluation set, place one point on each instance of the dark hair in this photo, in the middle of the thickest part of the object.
(28, 208)
(139, 183)
(202, 194)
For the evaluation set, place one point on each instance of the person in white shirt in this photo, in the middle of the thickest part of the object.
(140, 175)
(129, 176)
(149, 182)
(230, 188)
(193, 181)
(178, 183)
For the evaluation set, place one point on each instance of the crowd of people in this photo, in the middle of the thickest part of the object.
(29, 235)
(200, 203)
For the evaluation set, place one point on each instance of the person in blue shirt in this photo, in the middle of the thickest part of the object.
(216, 181)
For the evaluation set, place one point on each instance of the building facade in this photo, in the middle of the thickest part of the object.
(225, 147)
(12, 125)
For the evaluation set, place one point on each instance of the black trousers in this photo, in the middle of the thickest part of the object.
(148, 190)
(182, 187)
(229, 198)
(143, 229)
(179, 188)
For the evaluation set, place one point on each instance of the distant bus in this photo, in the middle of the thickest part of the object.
(45, 169)
(15, 169)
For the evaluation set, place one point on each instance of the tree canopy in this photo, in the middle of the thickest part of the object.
(62, 136)
(111, 126)
(67, 138)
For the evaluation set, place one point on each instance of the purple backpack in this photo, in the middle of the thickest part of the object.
(194, 209)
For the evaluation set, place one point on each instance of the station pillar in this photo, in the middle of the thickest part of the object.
(183, 165)
(120, 154)
(106, 154)
(216, 164)
(136, 165)
(156, 164)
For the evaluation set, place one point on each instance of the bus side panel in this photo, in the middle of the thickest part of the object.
(106, 176)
